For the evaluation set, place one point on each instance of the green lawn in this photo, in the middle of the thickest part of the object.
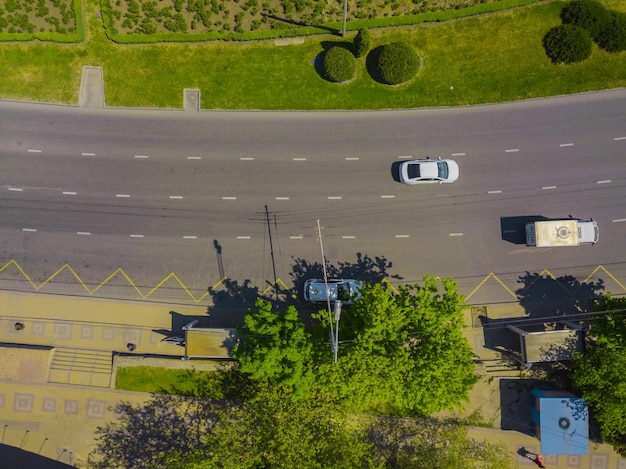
(492, 58)
(152, 379)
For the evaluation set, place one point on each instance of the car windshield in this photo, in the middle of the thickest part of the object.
(442, 170)
(414, 171)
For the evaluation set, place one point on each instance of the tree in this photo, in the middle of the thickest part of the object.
(397, 63)
(598, 373)
(587, 14)
(612, 38)
(362, 43)
(403, 353)
(567, 44)
(338, 64)
(408, 443)
(275, 348)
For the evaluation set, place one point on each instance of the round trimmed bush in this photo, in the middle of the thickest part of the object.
(567, 44)
(613, 36)
(588, 14)
(362, 43)
(397, 63)
(338, 64)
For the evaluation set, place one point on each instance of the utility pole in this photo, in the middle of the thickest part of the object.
(330, 317)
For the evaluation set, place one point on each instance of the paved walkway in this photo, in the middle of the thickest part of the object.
(58, 420)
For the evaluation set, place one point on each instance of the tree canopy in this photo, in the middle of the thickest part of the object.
(403, 353)
(275, 348)
(599, 373)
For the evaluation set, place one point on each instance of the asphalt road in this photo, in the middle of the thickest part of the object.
(154, 192)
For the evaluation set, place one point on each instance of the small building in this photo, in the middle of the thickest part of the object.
(560, 420)
(538, 343)
(202, 342)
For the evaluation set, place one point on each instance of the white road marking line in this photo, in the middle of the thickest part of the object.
(455, 234)
(125, 196)
(190, 237)
(548, 187)
(83, 233)
(33, 151)
(334, 197)
(404, 157)
(87, 154)
(194, 157)
(604, 181)
(243, 237)
(494, 192)
(136, 236)
(229, 198)
(282, 198)
(566, 145)
(511, 150)
(143, 157)
(348, 237)
(29, 230)
(619, 138)
(69, 193)
(16, 189)
(402, 236)
(176, 196)
(296, 237)
(356, 158)
(246, 158)
(458, 154)
(387, 196)
(619, 220)
(299, 159)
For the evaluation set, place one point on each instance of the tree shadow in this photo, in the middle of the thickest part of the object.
(231, 301)
(371, 64)
(12, 457)
(515, 400)
(543, 295)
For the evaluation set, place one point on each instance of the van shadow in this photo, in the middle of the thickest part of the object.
(514, 228)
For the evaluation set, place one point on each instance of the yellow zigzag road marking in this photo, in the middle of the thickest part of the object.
(279, 282)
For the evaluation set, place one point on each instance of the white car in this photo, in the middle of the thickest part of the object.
(428, 171)
(346, 290)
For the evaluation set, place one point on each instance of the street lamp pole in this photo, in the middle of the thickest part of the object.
(337, 316)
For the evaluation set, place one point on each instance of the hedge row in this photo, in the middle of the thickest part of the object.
(77, 36)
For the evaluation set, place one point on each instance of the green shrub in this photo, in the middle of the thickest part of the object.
(362, 43)
(588, 14)
(397, 63)
(567, 44)
(338, 64)
(613, 36)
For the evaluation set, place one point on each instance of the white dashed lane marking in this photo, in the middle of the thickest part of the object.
(348, 237)
(619, 220)
(190, 237)
(194, 157)
(352, 158)
(566, 145)
(16, 189)
(458, 154)
(548, 187)
(494, 192)
(402, 236)
(619, 138)
(176, 197)
(69, 193)
(142, 157)
(87, 154)
(33, 151)
(136, 236)
(246, 158)
(296, 237)
(122, 196)
(229, 198)
(455, 234)
(243, 237)
(30, 230)
(387, 196)
(604, 181)
(299, 159)
(511, 150)
(334, 197)
(83, 233)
